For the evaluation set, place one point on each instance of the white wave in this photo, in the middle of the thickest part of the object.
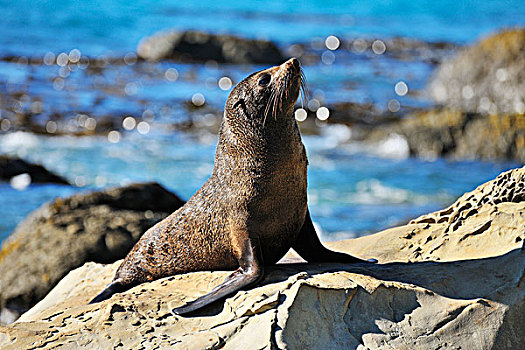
(373, 191)
(20, 182)
(18, 142)
(332, 236)
(338, 133)
(338, 236)
(339, 136)
(395, 146)
(332, 136)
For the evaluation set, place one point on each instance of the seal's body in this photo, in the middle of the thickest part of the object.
(252, 209)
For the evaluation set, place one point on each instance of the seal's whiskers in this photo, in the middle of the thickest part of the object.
(268, 105)
(304, 90)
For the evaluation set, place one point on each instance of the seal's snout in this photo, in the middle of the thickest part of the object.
(293, 63)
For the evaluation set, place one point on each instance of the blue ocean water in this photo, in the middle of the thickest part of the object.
(105, 26)
(352, 190)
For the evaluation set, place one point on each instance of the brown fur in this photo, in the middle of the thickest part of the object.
(257, 189)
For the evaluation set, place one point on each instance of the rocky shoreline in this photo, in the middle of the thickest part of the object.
(394, 127)
(446, 274)
(482, 231)
(486, 77)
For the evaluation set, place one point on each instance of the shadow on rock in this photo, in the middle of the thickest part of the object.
(410, 305)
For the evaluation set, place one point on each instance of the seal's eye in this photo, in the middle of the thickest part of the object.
(265, 80)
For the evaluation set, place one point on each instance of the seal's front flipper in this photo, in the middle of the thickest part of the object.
(249, 272)
(310, 248)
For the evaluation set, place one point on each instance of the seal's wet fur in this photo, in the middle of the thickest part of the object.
(252, 209)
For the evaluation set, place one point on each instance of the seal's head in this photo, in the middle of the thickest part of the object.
(265, 95)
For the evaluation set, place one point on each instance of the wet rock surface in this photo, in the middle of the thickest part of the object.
(486, 77)
(482, 91)
(197, 46)
(64, 234)
(469, 298)
(13, 166)
(59, 107)
(459, 135)
(119, 87)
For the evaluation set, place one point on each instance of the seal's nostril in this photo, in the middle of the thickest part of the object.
(295, 62)
(292, 63)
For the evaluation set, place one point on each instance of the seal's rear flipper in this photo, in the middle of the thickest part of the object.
(249, 272)
(112, 288)
(310, 248)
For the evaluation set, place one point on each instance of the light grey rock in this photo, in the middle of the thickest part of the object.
(469, 298)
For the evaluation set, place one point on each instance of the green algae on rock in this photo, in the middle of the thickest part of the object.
(459, 135)
(486, 77)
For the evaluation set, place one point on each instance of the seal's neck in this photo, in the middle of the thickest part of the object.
(269, 146)
(260, 134)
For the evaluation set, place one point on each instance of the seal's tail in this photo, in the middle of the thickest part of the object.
(114, 287)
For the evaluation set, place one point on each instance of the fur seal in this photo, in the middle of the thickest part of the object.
(252, 209)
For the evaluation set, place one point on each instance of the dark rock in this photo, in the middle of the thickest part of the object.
(12, 166)
(400, 48)
(64, 234)
(408, 49)
(486, 78)
(460, 135)
(196, 46)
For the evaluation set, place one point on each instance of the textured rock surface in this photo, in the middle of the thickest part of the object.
(488, 221)
(486, 77)
(459, 135)
(10, 167)
(468, 302)
(195, 46)
(64, 234)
